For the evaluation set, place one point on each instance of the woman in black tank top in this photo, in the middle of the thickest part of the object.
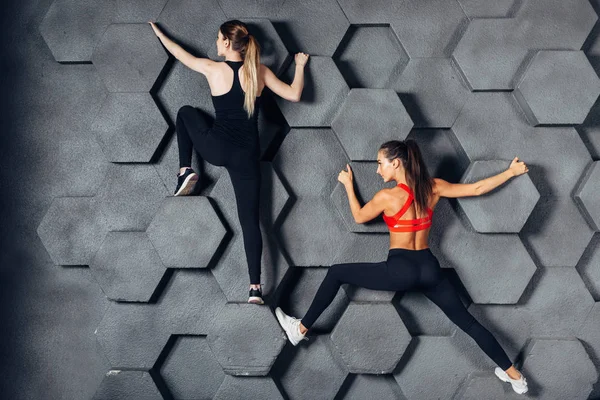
(232, 141)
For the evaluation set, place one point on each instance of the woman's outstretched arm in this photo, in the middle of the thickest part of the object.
(370, 210)
(293, 91)
(202, 65)
(446, 189)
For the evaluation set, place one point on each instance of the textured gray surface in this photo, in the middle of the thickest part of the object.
(49, 150)
(587, 195)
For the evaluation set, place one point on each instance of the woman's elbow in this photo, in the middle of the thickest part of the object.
(294, 98)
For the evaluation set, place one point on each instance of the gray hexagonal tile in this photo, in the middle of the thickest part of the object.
(272, 50)
(193, 24)
(191, 300)
(129, 196)
(485, 385)
(432, 92)
(590, 131)
(547, 359)
(233, 265)
(201, 381)
(368, 118)
(324, 91)
(490, 272)
(589, 267)
(309, 161)
(168, 168)
(72, 28)
(129, 58)
(127, 267)
(186, 232)
(248, 348)
(590, 337)
(490, 53)
(375, 12)
(72, 230)
(315, 364)
(314, 27)
(374, 387)
(365, 344)
(486, 9)
(587, 195)
(559, 87)
(251, 8)
(447, 361)
(556, 24)
(240, 388)
(359, 57)
(298, 290)
(366, 185)
(421, 316)
(129, 127)
(124, 385)
(429, 28)
(442, 153)
(140, 11)
(505, 209)
(132, 335)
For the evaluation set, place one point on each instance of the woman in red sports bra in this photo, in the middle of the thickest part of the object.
(407, 210)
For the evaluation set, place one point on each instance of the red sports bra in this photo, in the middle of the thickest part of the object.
(395, 224)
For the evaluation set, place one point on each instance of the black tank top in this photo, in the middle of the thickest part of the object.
(231, 120)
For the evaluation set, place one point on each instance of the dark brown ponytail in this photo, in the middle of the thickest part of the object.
(417, 176)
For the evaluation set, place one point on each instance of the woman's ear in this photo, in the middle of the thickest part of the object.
(396, 163)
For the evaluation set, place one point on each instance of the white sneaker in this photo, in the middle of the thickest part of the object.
(518, 385)
(291, 326)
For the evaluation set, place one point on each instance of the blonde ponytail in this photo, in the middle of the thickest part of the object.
(251, 66)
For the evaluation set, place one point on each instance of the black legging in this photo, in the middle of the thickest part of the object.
(242, 163)
(407, 270)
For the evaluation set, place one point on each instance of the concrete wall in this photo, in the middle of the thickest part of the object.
(112, 289)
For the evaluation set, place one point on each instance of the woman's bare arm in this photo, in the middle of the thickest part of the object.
(454, 190)
(293, 91)
(202, 65)
(369, 211)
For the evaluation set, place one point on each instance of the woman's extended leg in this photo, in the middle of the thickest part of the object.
(446, 298)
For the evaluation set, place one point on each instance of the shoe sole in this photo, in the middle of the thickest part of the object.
(503, 379)
(256, 300)
(188, 185)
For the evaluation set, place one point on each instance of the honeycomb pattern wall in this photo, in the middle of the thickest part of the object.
(475, 83)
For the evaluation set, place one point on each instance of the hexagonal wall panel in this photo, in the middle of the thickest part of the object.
(490, 272)
(132, 335)
(366, 345)
(72, 28)
(249, 348)
(366, 184)
(298, 291)
(590, 335)
(484, 385)
(238, 388)
(313, 26)
(233, 265)
(127, 267)
(490, 53)
(317, 365)
(545, 359)
(587, 194)
(432, 92)
(193, 24)
(186, 239)
(590, 130)
(374, 387)
(429, 28)
(272, 50)
(129, 127)
(486, 9)
(251, 8)
(589, 267)
(505, 209)
(129, 58)
(559, 87)
(201, 381)
(191, 300)
(375, 12)
(447, 361)
(421, 316)
(323, 93)
(124, 385)
(129, 196)
(368, 118)
(140, 11)
(360, 60)
(72, 230)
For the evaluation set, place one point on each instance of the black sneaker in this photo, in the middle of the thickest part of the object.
(186, 182)
(255, 296)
